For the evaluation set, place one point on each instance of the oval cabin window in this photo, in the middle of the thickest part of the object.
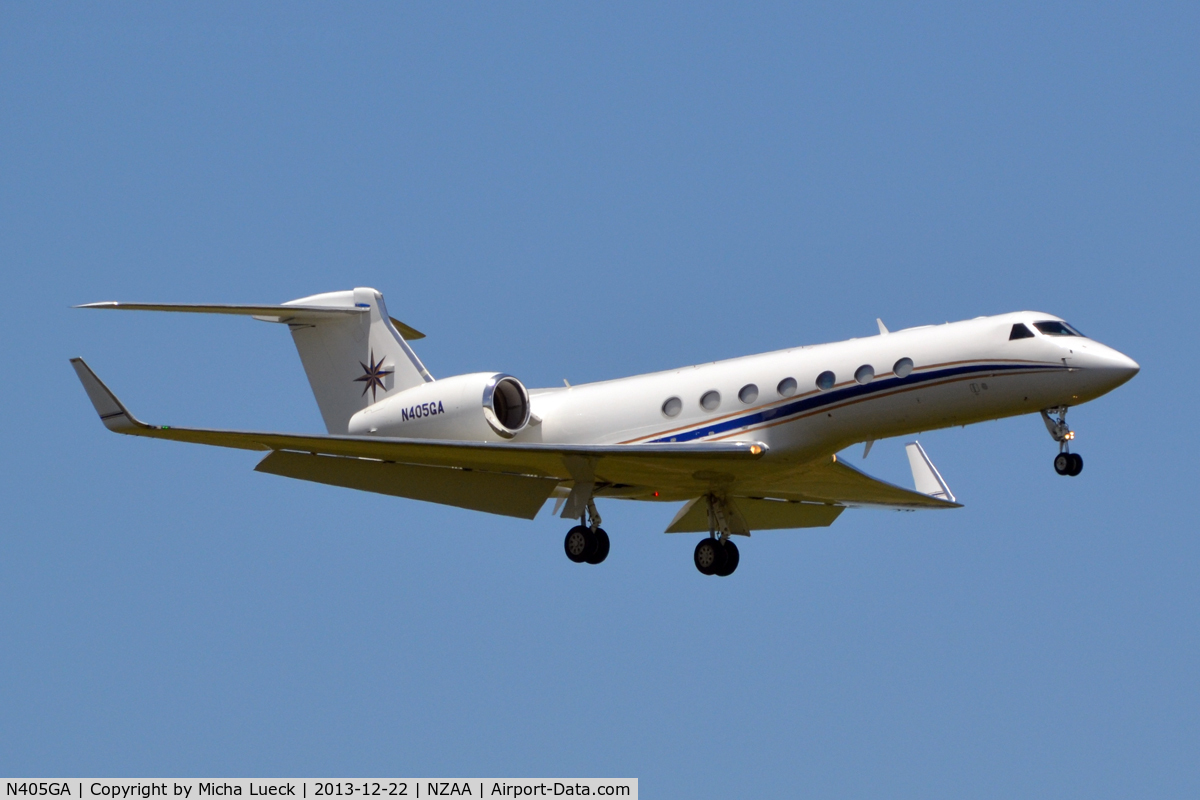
(786, 387)
(903, 368)
(826, 380)
(748, 394)
(711, 400)
(864, 374)
(672, 407)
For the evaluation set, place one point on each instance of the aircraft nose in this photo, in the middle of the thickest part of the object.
(1115, 367)
(1126, 365)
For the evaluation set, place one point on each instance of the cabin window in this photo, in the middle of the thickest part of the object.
(672, 407)
(748, 394)
(1019, 331)
(711, 400)
(864, 374)
(826, 380)
(786, 387)
(1055, 328)
(903, 368)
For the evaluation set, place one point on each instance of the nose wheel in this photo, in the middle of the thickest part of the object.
(1066, 462)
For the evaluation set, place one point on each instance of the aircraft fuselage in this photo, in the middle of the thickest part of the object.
(961, 373)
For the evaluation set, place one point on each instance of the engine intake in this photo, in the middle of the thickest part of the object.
(506, 405)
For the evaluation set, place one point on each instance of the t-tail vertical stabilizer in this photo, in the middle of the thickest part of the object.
(353, 360)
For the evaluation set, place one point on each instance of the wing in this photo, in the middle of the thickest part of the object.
(478, 475)
(516, 478)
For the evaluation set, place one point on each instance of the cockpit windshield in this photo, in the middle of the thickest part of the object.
(1056, 328)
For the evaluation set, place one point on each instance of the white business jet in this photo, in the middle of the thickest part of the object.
(748, 444)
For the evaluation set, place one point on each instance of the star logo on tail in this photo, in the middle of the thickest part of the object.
(373, 376)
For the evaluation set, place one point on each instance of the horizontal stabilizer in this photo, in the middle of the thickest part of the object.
(267, 313)
(925, 475)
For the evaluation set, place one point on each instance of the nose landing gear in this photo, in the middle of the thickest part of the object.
(587, 543)
(1066, 462)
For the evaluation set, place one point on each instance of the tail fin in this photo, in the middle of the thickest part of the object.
(350, 347)
(352, 361)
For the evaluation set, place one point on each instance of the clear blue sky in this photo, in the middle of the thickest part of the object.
(585, 192)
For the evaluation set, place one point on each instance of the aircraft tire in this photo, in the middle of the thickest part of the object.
(600, 551)
(731, 560)
(709, 556)
(1076, 464)
(579, 544)
(1063, 463)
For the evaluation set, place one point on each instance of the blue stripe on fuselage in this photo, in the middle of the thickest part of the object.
(816, 401)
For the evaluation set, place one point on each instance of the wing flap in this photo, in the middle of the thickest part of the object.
(495, 493)
(834, 481)
(759, 514)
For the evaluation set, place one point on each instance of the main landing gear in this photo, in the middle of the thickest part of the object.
(716, 555)
(587, 543)
(1066, 462)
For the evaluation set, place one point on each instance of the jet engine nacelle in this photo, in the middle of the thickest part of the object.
(482, 406)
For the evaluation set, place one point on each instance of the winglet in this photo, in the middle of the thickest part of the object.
(883, 331)
(112, 413)
(925, 475)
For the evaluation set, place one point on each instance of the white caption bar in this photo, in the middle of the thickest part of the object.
(383, 788)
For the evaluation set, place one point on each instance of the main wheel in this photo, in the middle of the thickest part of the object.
(1076, 464)
(579, 544)
(601, 550)
(732, 557)
(1063, 463)
(709, 556)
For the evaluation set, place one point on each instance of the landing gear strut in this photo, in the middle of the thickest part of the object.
(716, 555)
(1066, 462)
(587, 543)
